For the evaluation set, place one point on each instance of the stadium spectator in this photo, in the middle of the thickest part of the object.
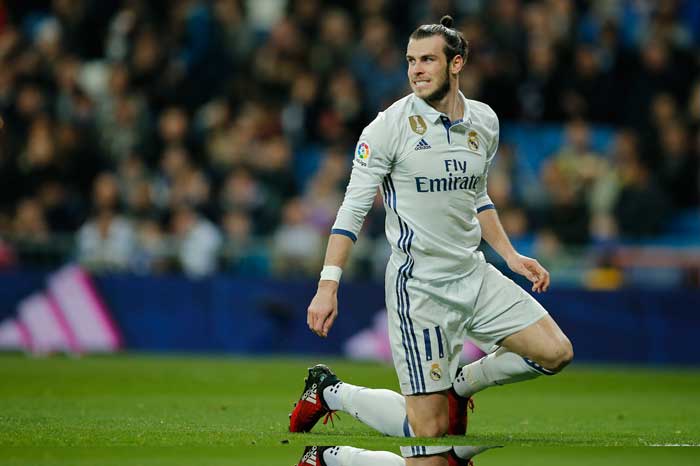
(678, 167)
(174, 128)
(242, 253)
(539, 90)
(569, 178)
(106, 240)
(300, 114)
(197, 241)
(576, 162)
(641, 208)
(153, 251)
(242, 191)
(335, 46)
(237, 35)
(589, 92)
(378, 66)
(297, 245)
(30, 222)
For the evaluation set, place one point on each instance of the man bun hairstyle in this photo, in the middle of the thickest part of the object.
(447, 21)
(455, 44)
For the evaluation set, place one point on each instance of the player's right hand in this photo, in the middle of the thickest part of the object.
(530, 269)
(323, 310)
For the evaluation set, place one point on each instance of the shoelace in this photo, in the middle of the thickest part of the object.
(329, 416)
(470, 404)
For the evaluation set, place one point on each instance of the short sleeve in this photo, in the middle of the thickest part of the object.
(483, 201)
(373, 158)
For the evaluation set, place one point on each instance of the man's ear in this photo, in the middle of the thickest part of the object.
(457, 64)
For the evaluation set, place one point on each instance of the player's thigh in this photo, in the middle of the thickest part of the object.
(502, 308)
(543, 342)
(426, 336)
(428, 414)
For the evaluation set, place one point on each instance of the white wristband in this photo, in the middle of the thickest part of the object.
(331, 272)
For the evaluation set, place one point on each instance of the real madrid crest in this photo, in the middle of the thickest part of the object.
(418, 124)
(435, 372)
(473, 141)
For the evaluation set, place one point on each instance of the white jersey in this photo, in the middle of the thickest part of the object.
(432, 174)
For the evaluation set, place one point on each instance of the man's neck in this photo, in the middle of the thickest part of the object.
(451, 105)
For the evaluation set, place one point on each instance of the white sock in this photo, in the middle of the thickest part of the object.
(499, 368)
(380, 409)
(350, 456)
(467, 452)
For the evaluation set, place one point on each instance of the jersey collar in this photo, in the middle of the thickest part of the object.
(433, 115)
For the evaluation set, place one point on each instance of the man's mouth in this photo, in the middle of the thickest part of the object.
(419, 83)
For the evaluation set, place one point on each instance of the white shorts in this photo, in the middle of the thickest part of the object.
(428, 322)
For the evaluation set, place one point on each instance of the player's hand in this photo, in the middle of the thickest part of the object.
(323, 309)
(532, 270)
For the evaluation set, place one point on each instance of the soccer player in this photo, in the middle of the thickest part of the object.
(429, 153)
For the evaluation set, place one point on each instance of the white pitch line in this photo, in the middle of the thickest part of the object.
(674, 445)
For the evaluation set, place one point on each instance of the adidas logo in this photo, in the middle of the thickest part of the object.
(310, 395)
(310, 457)
(422, 144)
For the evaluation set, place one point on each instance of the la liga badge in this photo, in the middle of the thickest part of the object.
(362, 153)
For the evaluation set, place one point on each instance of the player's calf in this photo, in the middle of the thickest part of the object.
(432, 427)
(428, 414)
(504, 367)
(435, 460)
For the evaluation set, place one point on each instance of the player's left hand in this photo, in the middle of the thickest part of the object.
(532, 270)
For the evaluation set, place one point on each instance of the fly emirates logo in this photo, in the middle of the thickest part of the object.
(456, 179)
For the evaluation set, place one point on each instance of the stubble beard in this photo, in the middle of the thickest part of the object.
(441, 91)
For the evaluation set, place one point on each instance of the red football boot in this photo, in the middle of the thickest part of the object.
(313, 456)
(458, 412)
(454, 460)
(311, 407)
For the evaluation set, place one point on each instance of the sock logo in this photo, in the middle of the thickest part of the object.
(469, 376)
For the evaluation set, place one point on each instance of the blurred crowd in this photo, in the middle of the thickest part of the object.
(195, 135)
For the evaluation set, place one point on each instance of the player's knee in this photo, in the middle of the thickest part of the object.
(435, 426)
(559, 356)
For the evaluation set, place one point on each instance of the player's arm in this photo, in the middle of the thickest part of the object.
(493, 233)
(372, 162)
(324, 306)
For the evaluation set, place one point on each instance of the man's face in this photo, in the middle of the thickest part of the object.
(428, 68)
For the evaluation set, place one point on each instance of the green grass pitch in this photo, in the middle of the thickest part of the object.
(139, 409)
